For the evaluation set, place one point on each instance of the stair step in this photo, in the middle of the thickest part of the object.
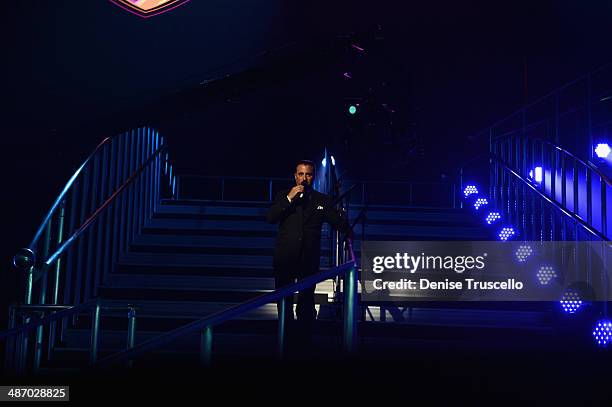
(200, 260)
(228, 271)
(133, 294)
(259, 214)
(201, 283)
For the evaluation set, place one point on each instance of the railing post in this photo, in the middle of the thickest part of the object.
(461, 186)
(38, 342)
(604, 218)
(10, 351)
(95, 334)
(131, 337)
(81, 260)
(589, 197)
(58, 262)
(91, 261)
(281, 329)
(206, 346)
(24, 261)
(563, 182)
(70, 255)
(576, 175)
(350, 309)
(56, 277)
(363, 192)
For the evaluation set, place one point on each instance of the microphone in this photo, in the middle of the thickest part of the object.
(305, 185)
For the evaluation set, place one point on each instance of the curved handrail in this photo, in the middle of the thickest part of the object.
(225, 315)
(104, 205)
(587, 164)
(62, 194)
(564, 210)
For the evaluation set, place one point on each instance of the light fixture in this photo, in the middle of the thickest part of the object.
(469, 190)
(506, 233)
(602, 150)
(545, 274)
(492, 217)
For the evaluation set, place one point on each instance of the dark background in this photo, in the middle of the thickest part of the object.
(78, 71)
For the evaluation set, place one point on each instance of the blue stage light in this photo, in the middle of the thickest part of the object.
(506, 233)
(469, 190)
(602, 333)
(545, 274)
(571, 302)
(324, 162)
(480, 202)
(536, 174)
(333, 160)
(602, 150)
(523, 252)
(493, 217)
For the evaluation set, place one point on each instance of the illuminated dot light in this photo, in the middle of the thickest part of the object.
(333, 160)
(603, 332)
(492, 217)
(480, 202)
(523, 252)
(352, 109)
(602, 150)
(571, 302)
(545, 274)
(536, 174)
(469, 190)
(506, 233)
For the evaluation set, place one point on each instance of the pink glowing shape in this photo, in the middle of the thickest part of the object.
(148, 8)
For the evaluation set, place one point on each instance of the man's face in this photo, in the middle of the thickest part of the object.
(304, 172)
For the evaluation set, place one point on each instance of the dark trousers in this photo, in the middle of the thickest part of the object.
(299, 332)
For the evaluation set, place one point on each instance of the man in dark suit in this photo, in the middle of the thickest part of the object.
(300, 212)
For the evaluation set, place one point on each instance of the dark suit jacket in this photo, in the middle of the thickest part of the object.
(298, 244)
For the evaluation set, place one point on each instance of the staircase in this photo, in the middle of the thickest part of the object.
(194, 258)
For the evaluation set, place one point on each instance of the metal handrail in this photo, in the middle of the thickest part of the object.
(561, 208)
(62, 194)
(587, 164)
(58, 312)
(121, 179)
(71, 310)
(16, 351)
(102, 207)
(208, 322)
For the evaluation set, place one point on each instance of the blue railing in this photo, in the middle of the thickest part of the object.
(575, 185)
(526, 206)
(205, 325)
(90, 225)
(16, 351)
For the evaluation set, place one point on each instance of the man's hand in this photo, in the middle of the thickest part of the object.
(294, 191)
